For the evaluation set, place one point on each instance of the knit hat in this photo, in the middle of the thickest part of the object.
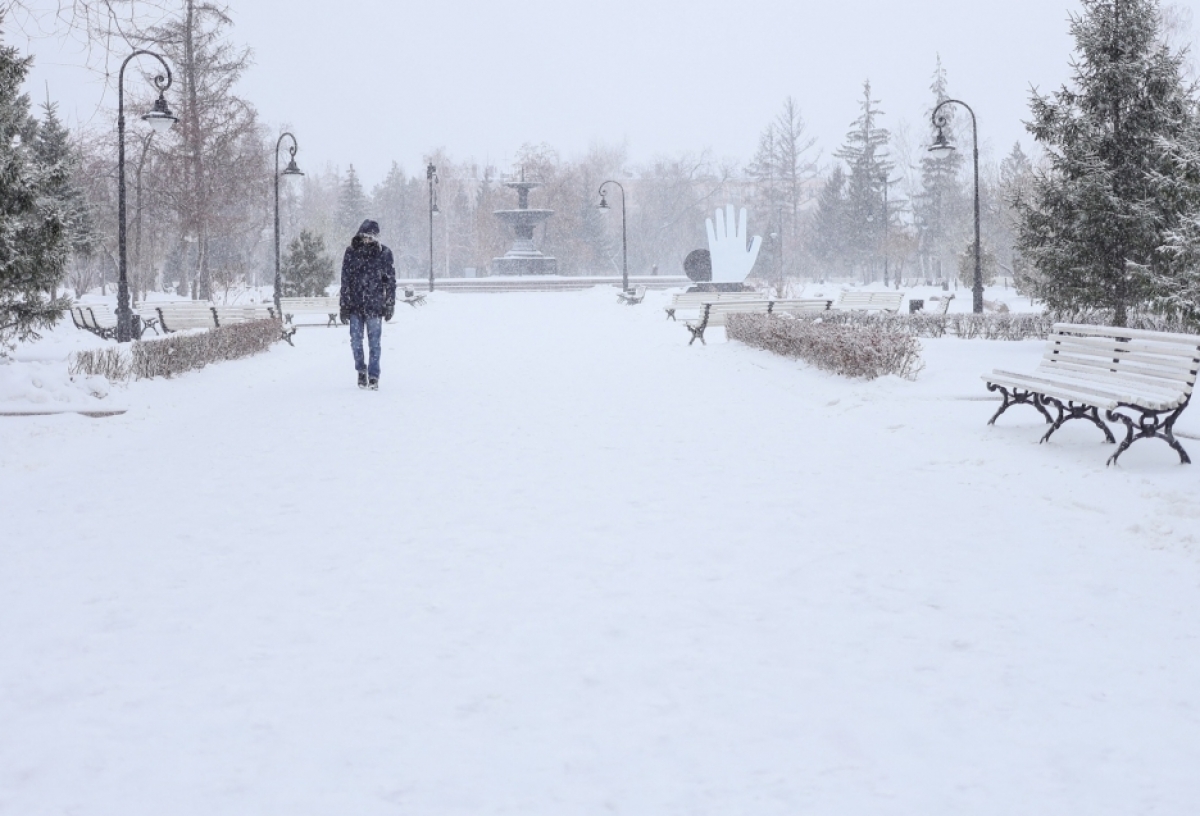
(369, 227)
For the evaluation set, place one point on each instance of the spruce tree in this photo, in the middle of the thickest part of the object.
(352, 204)
(865, 154)
(54, 150)
(307, 270)
(1178, 291)
(33, 248)
(830, 224)
(1095, 221)
(1015, 183)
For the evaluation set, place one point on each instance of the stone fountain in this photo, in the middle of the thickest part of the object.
(524, 258)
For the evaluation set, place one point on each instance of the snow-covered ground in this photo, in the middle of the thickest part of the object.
(562, 563)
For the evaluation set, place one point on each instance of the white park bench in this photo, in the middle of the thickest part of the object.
(104, 325)
(179, 315)
(694, 301)
(1143, 379)
(715, 312)
(413, 298)
(243, 313)
(883, 301)
(328, 306)
(632, 297)
(101, 319)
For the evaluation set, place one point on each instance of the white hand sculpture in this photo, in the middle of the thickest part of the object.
(731, 259)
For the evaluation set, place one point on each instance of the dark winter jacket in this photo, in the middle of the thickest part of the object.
(368, 279)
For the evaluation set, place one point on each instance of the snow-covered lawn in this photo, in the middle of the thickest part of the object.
(562, 563)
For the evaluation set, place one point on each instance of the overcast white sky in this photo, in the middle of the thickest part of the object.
(374, 81)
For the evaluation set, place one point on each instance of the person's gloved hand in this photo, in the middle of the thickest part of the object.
(389, 309)
(344, 315)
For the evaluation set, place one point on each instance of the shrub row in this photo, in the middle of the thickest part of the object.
(111, 362)
(866, 350)
(177, 353)
(992, 326)
(967, 326)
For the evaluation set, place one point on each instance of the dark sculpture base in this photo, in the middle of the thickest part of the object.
(525, 266)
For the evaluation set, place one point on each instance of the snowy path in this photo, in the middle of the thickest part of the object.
(564, 564)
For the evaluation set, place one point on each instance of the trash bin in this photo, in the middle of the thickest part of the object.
(915, 306)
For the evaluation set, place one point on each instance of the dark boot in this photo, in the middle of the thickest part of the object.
(373, 383)
(362, 379)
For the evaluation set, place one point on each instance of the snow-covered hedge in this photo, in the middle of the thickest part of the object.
(177, 353)
(990, 325)
(110, 362)
(1147, 321)
(866, 350)
(967, 326)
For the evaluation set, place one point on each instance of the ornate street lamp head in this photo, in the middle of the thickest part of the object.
(603, 205)
(292, 169)
(941, 145)
(160, 118)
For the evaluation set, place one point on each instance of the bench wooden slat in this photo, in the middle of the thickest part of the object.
(1067, 329)
(1096, 345)
(1126, 381)
(1117, 371)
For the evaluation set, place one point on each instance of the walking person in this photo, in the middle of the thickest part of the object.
(368, 298)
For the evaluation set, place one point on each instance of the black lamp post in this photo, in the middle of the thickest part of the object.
(290, 171)
(603, 207)
(886, 224)
(160, 118)
(432, 176)
(941, 143)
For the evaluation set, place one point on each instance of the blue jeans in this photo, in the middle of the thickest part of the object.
(374, 327)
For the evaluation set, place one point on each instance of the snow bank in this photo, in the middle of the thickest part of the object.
(30, 387)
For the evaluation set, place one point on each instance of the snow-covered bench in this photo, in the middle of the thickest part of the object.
(884, 301)
(228, 315)
(694, 301)
(178, 315)
(943, 306)
(328, 306)
(715, 312)
(413, 298)
(100, 319)
(1143, 379)
(631, 297)
(83, 318)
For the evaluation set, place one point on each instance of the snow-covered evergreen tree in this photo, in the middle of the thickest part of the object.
(865, 154)
(352, 204)
(33, 248)
(829, 229)
(1095, 221)
(1178, 291)
(307, 269)
(56, 152)
(1014, 185)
